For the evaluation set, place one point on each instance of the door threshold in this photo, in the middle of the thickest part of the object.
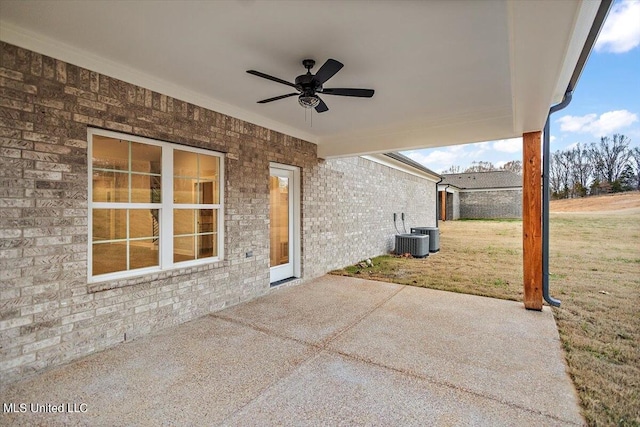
(283, 281)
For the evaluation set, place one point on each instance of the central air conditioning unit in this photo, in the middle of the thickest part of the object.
(434, 236)
(415, 244)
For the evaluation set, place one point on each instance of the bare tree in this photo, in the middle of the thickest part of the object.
(480, 167)
(635, 164)
(559, 175)
(581, 170)
(514, 166)
(453, 169)
(610, 158)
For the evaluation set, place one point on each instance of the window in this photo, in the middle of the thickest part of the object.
(153, 206)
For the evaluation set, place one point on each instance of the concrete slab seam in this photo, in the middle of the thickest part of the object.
(324, 343)
(448, 385)
(273, 384)
(264, 330)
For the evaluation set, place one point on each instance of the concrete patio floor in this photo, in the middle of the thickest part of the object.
(334, 351)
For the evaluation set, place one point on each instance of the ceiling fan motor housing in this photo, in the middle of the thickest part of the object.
(306, 83)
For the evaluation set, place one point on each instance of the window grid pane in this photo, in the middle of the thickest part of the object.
(109, 257)
(126, 237)
(110, 186)
(195, 232)
(195, 178)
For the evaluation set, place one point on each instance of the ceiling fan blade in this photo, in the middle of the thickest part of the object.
(275, 98)
(268, 77)
(328, 70)
(362, 93)
(321, 107)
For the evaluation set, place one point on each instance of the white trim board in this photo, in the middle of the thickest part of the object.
(297, 220)
(394, 164)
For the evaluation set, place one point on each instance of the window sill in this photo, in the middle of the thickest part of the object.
(150, 276)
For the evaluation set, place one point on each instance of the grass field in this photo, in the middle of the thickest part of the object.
(595, 271)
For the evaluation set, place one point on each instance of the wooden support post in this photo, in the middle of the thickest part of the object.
(532, 220)
(443, 205)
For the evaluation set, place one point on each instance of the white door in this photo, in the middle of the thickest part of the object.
(281, 229)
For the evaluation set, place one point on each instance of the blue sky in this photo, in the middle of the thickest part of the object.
(606, 100)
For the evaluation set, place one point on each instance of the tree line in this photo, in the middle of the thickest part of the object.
(609, 166)
(514, 166)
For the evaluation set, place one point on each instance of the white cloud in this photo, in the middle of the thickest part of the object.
(500, 164)
(440, 159)
(437, 157)
(621, 30)
(606, 124)
(477, 150)
(552, 139)
(576, 123)
(513, 145)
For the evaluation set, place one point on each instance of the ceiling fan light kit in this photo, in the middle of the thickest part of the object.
(309, 85)
(308, 101)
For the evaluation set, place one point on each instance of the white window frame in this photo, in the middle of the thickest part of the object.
(165, 208)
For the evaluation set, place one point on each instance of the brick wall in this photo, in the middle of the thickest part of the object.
(348, 211)
(491, 204)
(453, 206)
(456, 206)
(49, 314)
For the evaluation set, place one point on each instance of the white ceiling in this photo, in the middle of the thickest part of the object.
(444, 72)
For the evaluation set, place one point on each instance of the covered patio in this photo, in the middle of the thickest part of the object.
(444, 73)
(335, 350)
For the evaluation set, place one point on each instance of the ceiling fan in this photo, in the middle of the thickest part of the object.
(309, 85)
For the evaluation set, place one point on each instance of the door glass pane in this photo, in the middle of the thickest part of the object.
(109, 224)
(110, 186)
(110, 153)
(183, 221)
(109, 257)
(279, 224)
(143, 253)
(185, 164)
(146, 158)
(143, 223)
(184, 248)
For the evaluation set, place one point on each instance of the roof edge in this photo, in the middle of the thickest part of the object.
(411, 169)
(592, 37)
(408, 161)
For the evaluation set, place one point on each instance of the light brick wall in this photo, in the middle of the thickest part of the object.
(491, 204)
(49, 314)
(348, 207)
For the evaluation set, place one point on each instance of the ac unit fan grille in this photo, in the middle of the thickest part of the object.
(415, 244)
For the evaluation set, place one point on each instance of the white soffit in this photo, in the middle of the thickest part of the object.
(445, 72)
